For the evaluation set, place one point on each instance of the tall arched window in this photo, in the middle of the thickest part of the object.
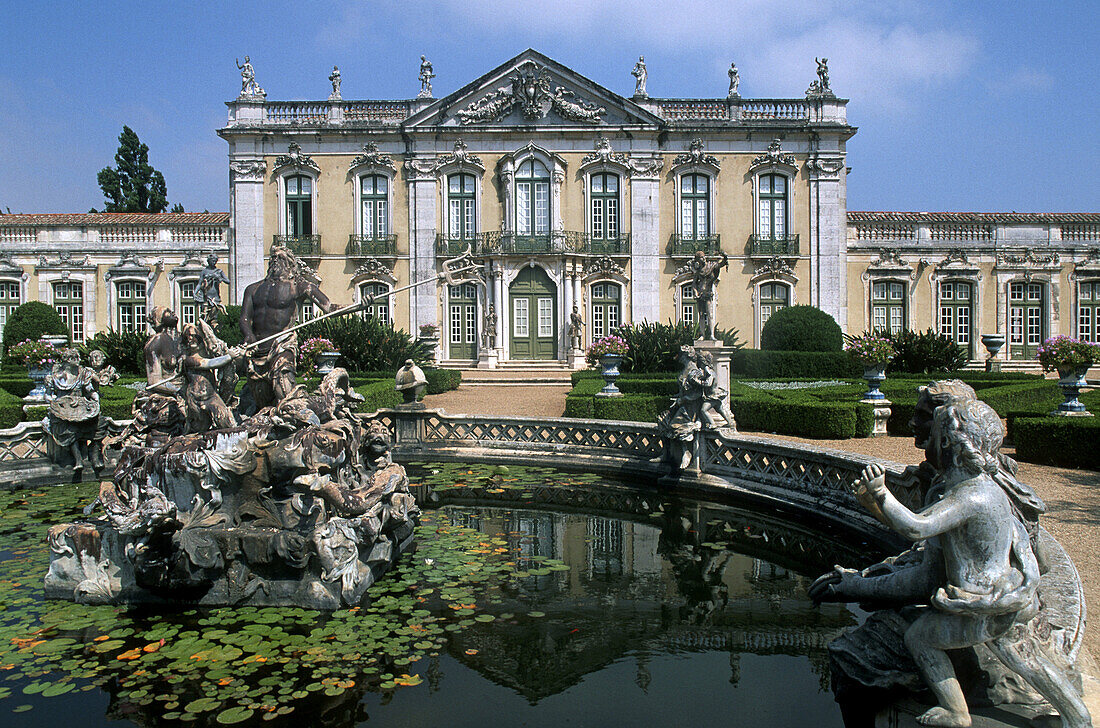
(1088, 311)
(604, 215)
(773, 207)
(373, 206)
(694, 206)
(68, 299)
(461, 207)
(299, 206)
(773, 296)
(957, 312)
(532, 199)
(380, 308)
(606, 302)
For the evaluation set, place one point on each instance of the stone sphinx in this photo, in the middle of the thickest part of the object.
(975, 583)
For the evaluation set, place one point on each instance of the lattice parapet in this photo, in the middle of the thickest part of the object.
(630, 439)
(29, 441)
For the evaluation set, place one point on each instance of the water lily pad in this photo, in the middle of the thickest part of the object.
(236, 714)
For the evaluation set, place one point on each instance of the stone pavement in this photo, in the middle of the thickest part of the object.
(1072, 496)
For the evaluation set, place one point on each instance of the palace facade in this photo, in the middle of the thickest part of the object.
(570, 195)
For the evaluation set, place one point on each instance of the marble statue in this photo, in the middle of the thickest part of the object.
(249, 87)
(823, 73)
(576, 329)
(426, 76)
(105, 374)
(410, 382)
(735, 81)
(971, 582)
(205, 407)
(640, 76)
(704, 279)
(208, 291)
(268, 309)
(334, 79)
(73, 417)
(694, 408)
(490, 331)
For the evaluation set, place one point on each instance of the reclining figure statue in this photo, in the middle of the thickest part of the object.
(971, 581)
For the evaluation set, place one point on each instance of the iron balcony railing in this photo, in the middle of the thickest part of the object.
(772, 245)
(304, 245)
(505, 243)
(365, 245)
(684, 245)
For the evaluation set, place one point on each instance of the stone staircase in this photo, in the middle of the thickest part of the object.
(517, 374)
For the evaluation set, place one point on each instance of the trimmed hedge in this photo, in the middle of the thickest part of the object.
(794, 364)
(11, 409)
(31, 321)
(801, 328)
(378, 395)
(1069, 442)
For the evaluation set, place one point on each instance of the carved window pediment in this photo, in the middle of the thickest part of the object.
(66, 261)
(774, 158)
(129, 265)
(605, 158)
(296, 160)
(604, 268)
(1089, 265)
(696, 157)
(371, 158)
(889, 263)
(459, 159)
(774, 268)
(373, 269)
(191, 267)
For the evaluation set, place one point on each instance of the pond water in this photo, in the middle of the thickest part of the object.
(537, 596)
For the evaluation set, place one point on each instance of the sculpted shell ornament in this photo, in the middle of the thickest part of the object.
(372, 157)
(696, 155)
(295, 158)
(530, 89)
(775, 155)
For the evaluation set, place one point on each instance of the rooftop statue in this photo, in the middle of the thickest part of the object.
(735, 80)
(334, 79)
(971, 581)
(267, 312)
(640, 75)
(249, 87)
(426, 76)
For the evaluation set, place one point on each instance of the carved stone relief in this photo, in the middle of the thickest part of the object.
(294, 158)
(775, 155)
(372, 157)
(696, 155)
(530, 90)
(373, 269)
(248, 170)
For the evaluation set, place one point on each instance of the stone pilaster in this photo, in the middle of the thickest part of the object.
(828, 245)
(645, 294)
(422, 217)
(246, 224)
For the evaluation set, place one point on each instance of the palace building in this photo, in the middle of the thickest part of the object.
(571, 195)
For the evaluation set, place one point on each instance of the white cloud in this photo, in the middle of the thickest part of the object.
(1022, 80)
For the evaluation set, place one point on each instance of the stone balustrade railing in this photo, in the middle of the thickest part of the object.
(214, 235)
(764, 109)
(971, 228)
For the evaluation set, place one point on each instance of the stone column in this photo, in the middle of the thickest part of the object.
(246, 224)
(828, 244)
(645, 294)
(423, 307)
(567, 306)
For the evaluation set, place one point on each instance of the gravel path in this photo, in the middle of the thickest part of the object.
(1072, 496)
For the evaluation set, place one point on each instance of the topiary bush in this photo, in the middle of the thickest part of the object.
(654, 347)
(367, 344)
(31, 321)
(801, 328)
(125, 350)
(794, 364)
(923, 353)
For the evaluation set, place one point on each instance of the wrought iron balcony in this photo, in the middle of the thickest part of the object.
(448, 247)
(505, 243)
(368, 245)
(770, 245)
(609, 246)
(680, 245)
(308, 246)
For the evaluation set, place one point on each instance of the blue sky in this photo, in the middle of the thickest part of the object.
(960, 105)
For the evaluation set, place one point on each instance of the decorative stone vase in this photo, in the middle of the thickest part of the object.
(993, 344)
(433, 347)
(1071, 381)
(609, 364)
(326, 361)
(875, 374)
(37, 395)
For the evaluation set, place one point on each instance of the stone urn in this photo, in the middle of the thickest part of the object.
(37, 395)
(609, 370)
(875, 374)
(326, 362)
(993, 344)
(1071, 379)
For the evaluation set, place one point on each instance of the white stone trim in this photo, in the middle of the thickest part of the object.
(112, 296)
(279, 177)
(1052, 319)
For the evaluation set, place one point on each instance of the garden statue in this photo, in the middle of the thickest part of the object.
(206, 409)
(715, 399)
(694, 408)
(249, 87)
(490, 332)
(972, 581)
(73, 417)
(704, 279)
(576, 329)
(820, 86)
(640, 76)
(735, 81)
(105, 374)
(268, 309)
(426, 76)
(207, 292)
(410, 382)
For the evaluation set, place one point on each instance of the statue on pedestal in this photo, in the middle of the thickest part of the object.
(334, 78)
(735, 81)
(249, 87)
(207, 293)
(971, 581)
(693, 408)
(105, 374)
(268, 308)
(576, 329)
(426, 76)
(73, 420)
(704, 279)
(489, 334)
(640, 75)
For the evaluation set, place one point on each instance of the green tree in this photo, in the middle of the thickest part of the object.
(133, 186)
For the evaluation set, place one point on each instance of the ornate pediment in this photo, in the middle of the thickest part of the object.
(247, 170)
(889, 263)
(460, 157)
(294, 158)
(371, 157)
(774, 267)
(774, 157)
(956, 262)
(133, 266)
(191, 266)
(373, 269)
(603, 267)
(64, 260)
(696, 156)
(532, 89)
(1029, 260)
(604, 154)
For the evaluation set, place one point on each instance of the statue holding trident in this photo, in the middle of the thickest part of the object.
(269, 306)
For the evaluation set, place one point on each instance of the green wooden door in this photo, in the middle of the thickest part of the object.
(462, 323)
(1026, 319)
(534, 315)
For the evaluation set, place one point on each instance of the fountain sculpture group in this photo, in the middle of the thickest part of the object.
(285, 498)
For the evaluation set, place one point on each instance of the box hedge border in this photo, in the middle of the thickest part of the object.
(1069, 442)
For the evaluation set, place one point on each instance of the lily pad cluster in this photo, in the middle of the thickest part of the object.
(231, 665)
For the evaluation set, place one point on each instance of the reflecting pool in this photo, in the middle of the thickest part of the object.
(536, 596)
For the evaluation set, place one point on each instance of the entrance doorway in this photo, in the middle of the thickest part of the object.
(1026, 319)
(462, 321)
(534, 315)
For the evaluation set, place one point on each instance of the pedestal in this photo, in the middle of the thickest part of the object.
(575, 359)
(722, 356)
(488, 358)
(882, 414)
